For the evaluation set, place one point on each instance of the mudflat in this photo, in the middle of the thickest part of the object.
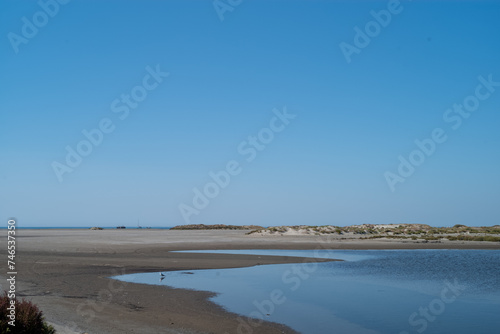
(67, 274)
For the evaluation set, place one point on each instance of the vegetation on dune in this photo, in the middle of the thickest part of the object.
(394, 231)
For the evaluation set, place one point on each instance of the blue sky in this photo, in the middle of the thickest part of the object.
(353, 120)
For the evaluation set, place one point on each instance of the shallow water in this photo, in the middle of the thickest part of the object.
(379, 291)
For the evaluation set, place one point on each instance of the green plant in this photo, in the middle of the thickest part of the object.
(474, 238)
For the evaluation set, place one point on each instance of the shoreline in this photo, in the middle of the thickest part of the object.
(66, 273)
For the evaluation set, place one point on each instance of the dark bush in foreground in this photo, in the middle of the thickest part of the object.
(29, 318)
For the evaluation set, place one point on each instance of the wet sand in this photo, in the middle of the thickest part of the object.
(66, 273)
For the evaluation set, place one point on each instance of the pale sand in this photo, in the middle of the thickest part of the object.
(66, 273)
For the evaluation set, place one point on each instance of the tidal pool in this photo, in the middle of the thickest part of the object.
(371, 291)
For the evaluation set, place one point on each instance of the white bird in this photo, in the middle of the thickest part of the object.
(161, 274)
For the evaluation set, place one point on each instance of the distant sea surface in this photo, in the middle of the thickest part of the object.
(372, 291)
(82, 228)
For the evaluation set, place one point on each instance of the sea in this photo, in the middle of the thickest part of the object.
(83, 227)
(370, 291)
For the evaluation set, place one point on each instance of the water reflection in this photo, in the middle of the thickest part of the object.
(370, 292)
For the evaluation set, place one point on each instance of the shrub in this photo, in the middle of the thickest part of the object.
(29, 318)
(474, 238)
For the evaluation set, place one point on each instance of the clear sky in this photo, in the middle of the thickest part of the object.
(354, 83)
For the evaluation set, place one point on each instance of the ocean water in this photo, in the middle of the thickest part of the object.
(81, 227)
(378, 291)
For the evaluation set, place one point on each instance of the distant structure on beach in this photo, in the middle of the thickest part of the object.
(120, 227)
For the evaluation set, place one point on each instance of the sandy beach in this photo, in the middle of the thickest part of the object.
(66, 273)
